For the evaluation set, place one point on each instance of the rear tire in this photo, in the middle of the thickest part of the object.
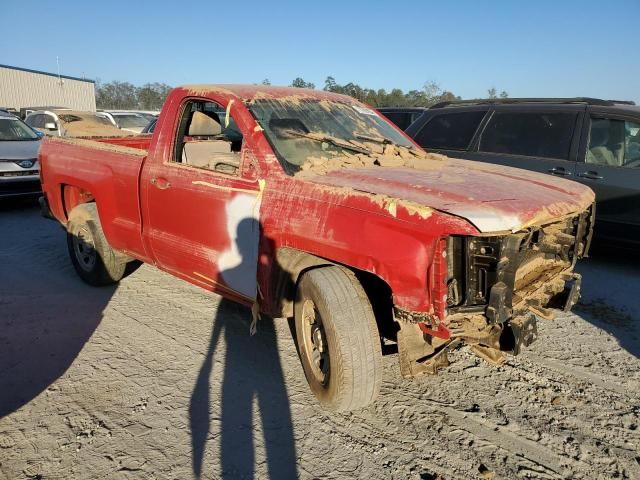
(92, 257)
(338, 339)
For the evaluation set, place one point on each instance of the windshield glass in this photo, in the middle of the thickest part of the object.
(301, 130)
(13, 129)
(131, 121)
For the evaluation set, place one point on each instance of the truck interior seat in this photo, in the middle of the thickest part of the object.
(204, 148)
(204, 125)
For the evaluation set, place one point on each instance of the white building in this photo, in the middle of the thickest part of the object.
(21, 88)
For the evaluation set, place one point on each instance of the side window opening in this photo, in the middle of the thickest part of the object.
(205, 139)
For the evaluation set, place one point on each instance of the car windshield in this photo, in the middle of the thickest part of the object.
(83, 117)
(13, 129)
(87, 124)
(131, 121)
(303, 129)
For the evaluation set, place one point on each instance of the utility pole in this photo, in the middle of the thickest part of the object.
(60, 82)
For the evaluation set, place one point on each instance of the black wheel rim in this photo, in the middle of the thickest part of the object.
(315, 349)
(84, 249)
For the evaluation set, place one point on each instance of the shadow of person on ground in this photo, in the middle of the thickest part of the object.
(610, 300)
(47, 314)
(252, 371)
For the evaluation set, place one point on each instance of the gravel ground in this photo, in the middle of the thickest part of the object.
(156, 378)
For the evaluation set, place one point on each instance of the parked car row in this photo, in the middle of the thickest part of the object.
(69, 123)
(19, 140)
(131, 122)
(595, 142)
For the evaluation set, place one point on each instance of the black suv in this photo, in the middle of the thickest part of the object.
(595, 142)
(402, 116)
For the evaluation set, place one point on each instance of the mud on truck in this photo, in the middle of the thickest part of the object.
(311, 205)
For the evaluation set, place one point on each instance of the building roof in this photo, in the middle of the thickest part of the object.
(47, 73)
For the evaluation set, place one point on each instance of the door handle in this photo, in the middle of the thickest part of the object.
(591, 175)
(161, 183)
(559, 171)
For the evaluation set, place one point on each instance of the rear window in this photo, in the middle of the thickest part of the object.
(530, 134)
(450, 131)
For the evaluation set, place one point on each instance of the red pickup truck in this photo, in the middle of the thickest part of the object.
(311, 205)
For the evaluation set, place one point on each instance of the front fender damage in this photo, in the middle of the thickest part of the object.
(498, 291)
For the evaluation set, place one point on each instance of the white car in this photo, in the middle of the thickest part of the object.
(69, 123)
(129, 121)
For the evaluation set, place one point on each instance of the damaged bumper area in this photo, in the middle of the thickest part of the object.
(497, 287)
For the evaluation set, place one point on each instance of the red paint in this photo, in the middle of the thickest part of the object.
(440, 332)
(182, 229)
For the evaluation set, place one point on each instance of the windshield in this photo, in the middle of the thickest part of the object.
(83, 117)
(131, 121)
(301, 130)
(13, 129)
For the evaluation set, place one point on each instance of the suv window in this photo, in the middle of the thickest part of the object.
(614, 143)
(402, 119)
(532, 134)
(450, 131)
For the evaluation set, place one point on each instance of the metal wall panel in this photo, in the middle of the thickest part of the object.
(20, 88)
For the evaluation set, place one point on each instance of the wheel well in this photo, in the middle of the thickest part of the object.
(291, 264)
(72, 197)
(381, 299)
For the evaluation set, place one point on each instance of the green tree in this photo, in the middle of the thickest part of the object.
(300, 83)
(151, 96)
(330, 84)
(116, 95)
(266, 81)
(504, 94)
(492, 92)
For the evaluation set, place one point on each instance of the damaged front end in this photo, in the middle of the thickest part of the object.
(490, 290)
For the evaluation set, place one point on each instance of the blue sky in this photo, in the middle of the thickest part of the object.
(533, 48)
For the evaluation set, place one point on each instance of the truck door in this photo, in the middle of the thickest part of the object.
(611, 167)
(201, 212)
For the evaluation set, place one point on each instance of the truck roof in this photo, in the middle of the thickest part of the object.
(251, 92)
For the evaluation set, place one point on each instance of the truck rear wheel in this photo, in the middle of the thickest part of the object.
(338, 339)
(92, 257)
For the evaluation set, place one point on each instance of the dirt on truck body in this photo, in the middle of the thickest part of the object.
(310, 205)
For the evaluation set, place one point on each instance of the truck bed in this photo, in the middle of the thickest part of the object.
(105, 169)
(139, 142)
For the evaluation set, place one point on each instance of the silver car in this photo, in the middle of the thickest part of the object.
(19, 167)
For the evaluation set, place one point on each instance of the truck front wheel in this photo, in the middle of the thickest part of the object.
(92, 257)
(338, 339)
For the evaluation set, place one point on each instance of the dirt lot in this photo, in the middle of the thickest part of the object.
(158, 379)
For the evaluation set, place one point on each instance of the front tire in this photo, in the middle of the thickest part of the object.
(92, 257)
(338, 339)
